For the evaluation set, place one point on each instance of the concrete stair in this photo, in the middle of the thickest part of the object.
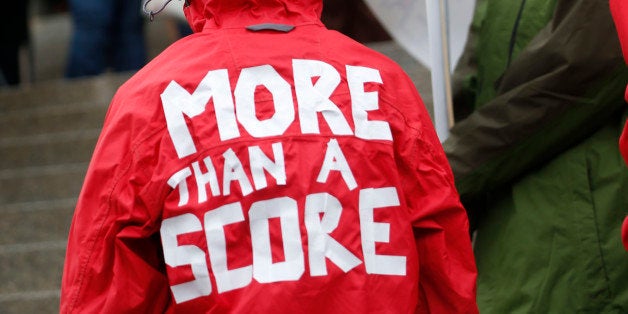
(47, 134)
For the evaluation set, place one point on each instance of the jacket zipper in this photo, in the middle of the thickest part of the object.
(513, 35)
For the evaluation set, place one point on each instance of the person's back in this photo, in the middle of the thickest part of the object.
(285, 169)
(539, 159)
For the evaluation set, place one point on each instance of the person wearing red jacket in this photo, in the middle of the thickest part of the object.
(268, 165)
(619, 10)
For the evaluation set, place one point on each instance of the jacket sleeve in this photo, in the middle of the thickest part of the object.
(564, 85)
(113, 264)
(447, 272)
(619, 10)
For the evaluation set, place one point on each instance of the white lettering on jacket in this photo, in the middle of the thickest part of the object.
(312, 98)
(315, 82)
(322, 215)
(233, 173)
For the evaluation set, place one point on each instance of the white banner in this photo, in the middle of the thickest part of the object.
(406, 22)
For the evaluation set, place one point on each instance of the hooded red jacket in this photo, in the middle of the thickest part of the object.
(268, 170)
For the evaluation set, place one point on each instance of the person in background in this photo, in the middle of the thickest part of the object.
(13, 35)
(354, 19)
(537, 162)
(265, 164)
(619, 9)
(107, 35)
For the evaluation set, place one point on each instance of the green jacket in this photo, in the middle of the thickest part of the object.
(537, 162)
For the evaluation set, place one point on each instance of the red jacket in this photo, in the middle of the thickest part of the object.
(619, 9)
(268, 171)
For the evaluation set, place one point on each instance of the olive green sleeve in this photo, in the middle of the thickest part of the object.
(566, 83)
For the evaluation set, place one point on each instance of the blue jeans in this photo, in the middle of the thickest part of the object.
(107, 34)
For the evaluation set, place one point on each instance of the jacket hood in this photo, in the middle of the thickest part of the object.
(240, 13)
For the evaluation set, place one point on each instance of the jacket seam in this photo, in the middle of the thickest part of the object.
(99, 233)
(513, 35)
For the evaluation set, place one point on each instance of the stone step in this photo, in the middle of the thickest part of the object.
(35, 184)
(52, 119)
(28, 267)
(48, 149)
(99, 89)
(41, 302)
(30, 277)
(47, 133)
(36, 221)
